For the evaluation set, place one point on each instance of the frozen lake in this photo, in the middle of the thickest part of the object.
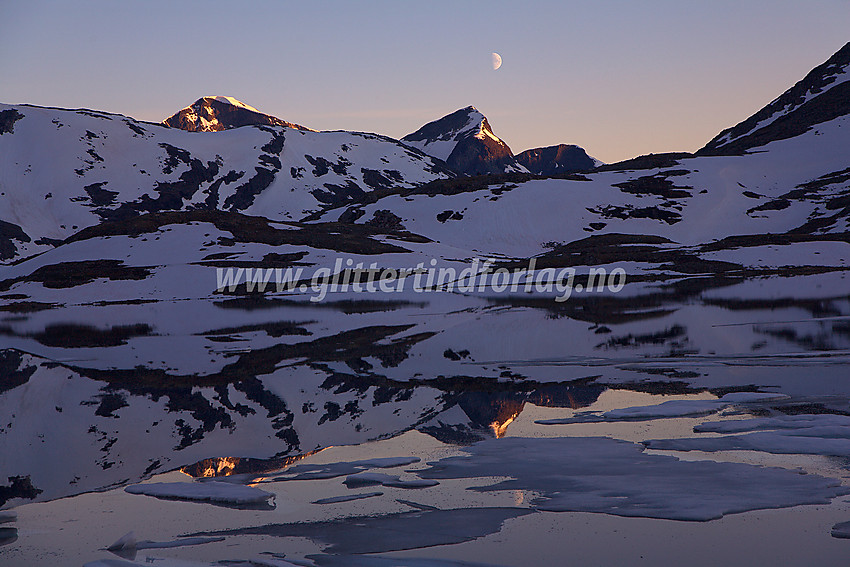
(704, 426)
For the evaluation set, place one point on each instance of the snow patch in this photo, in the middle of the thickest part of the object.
(234, 102)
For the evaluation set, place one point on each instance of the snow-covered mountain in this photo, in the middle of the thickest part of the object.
(113, 230)
(465, 141)
(821, 97)
(793, 179)
(553, 160)
(216, 113)
(64, 170)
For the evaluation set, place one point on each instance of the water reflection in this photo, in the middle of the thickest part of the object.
(251, 385)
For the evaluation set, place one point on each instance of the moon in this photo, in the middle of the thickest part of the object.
(497, 60)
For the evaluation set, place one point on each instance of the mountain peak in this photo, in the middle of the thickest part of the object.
(216, 113)
(553, 160)
(466, 142)
(228, 100)
(822, 95)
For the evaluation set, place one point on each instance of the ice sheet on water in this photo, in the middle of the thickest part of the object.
(390, 532)
(223, 492)
(802, 421)
(168, 562)
(373, 561)
(373, 479)
(668, 409)
(348, 498)
(574, 474)
(129, 543)
(820, 434)
(333, 470)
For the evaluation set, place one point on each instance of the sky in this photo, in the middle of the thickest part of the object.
(619, 78)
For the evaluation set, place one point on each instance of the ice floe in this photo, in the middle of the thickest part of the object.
(390, 532)
(820, 434)
(222, 492)
(8, 535)
(333, 470)
(129, 543)
(841, 530)
(372, 479)
(347, 498)
(802, 421)
(373, 561)
(416, 505)
(587, 474)
(168, 562)
(668, 409)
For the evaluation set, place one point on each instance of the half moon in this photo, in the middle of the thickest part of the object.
(497, 60)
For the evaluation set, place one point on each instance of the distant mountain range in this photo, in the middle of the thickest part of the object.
(64, 170)
(464, 139)
(107, 167)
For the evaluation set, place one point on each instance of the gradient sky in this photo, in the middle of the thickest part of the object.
(620, 78)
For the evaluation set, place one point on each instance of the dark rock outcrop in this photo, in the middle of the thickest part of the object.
(465, 141)
(553, 160)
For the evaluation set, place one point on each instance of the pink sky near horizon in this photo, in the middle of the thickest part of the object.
(617, 78)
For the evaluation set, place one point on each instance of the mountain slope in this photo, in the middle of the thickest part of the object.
(823, 95)
(553, 160)
(63, 170)
(796, 184)
(465, 141)
(217, 113)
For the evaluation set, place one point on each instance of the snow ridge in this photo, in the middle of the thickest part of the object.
(821, 96)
